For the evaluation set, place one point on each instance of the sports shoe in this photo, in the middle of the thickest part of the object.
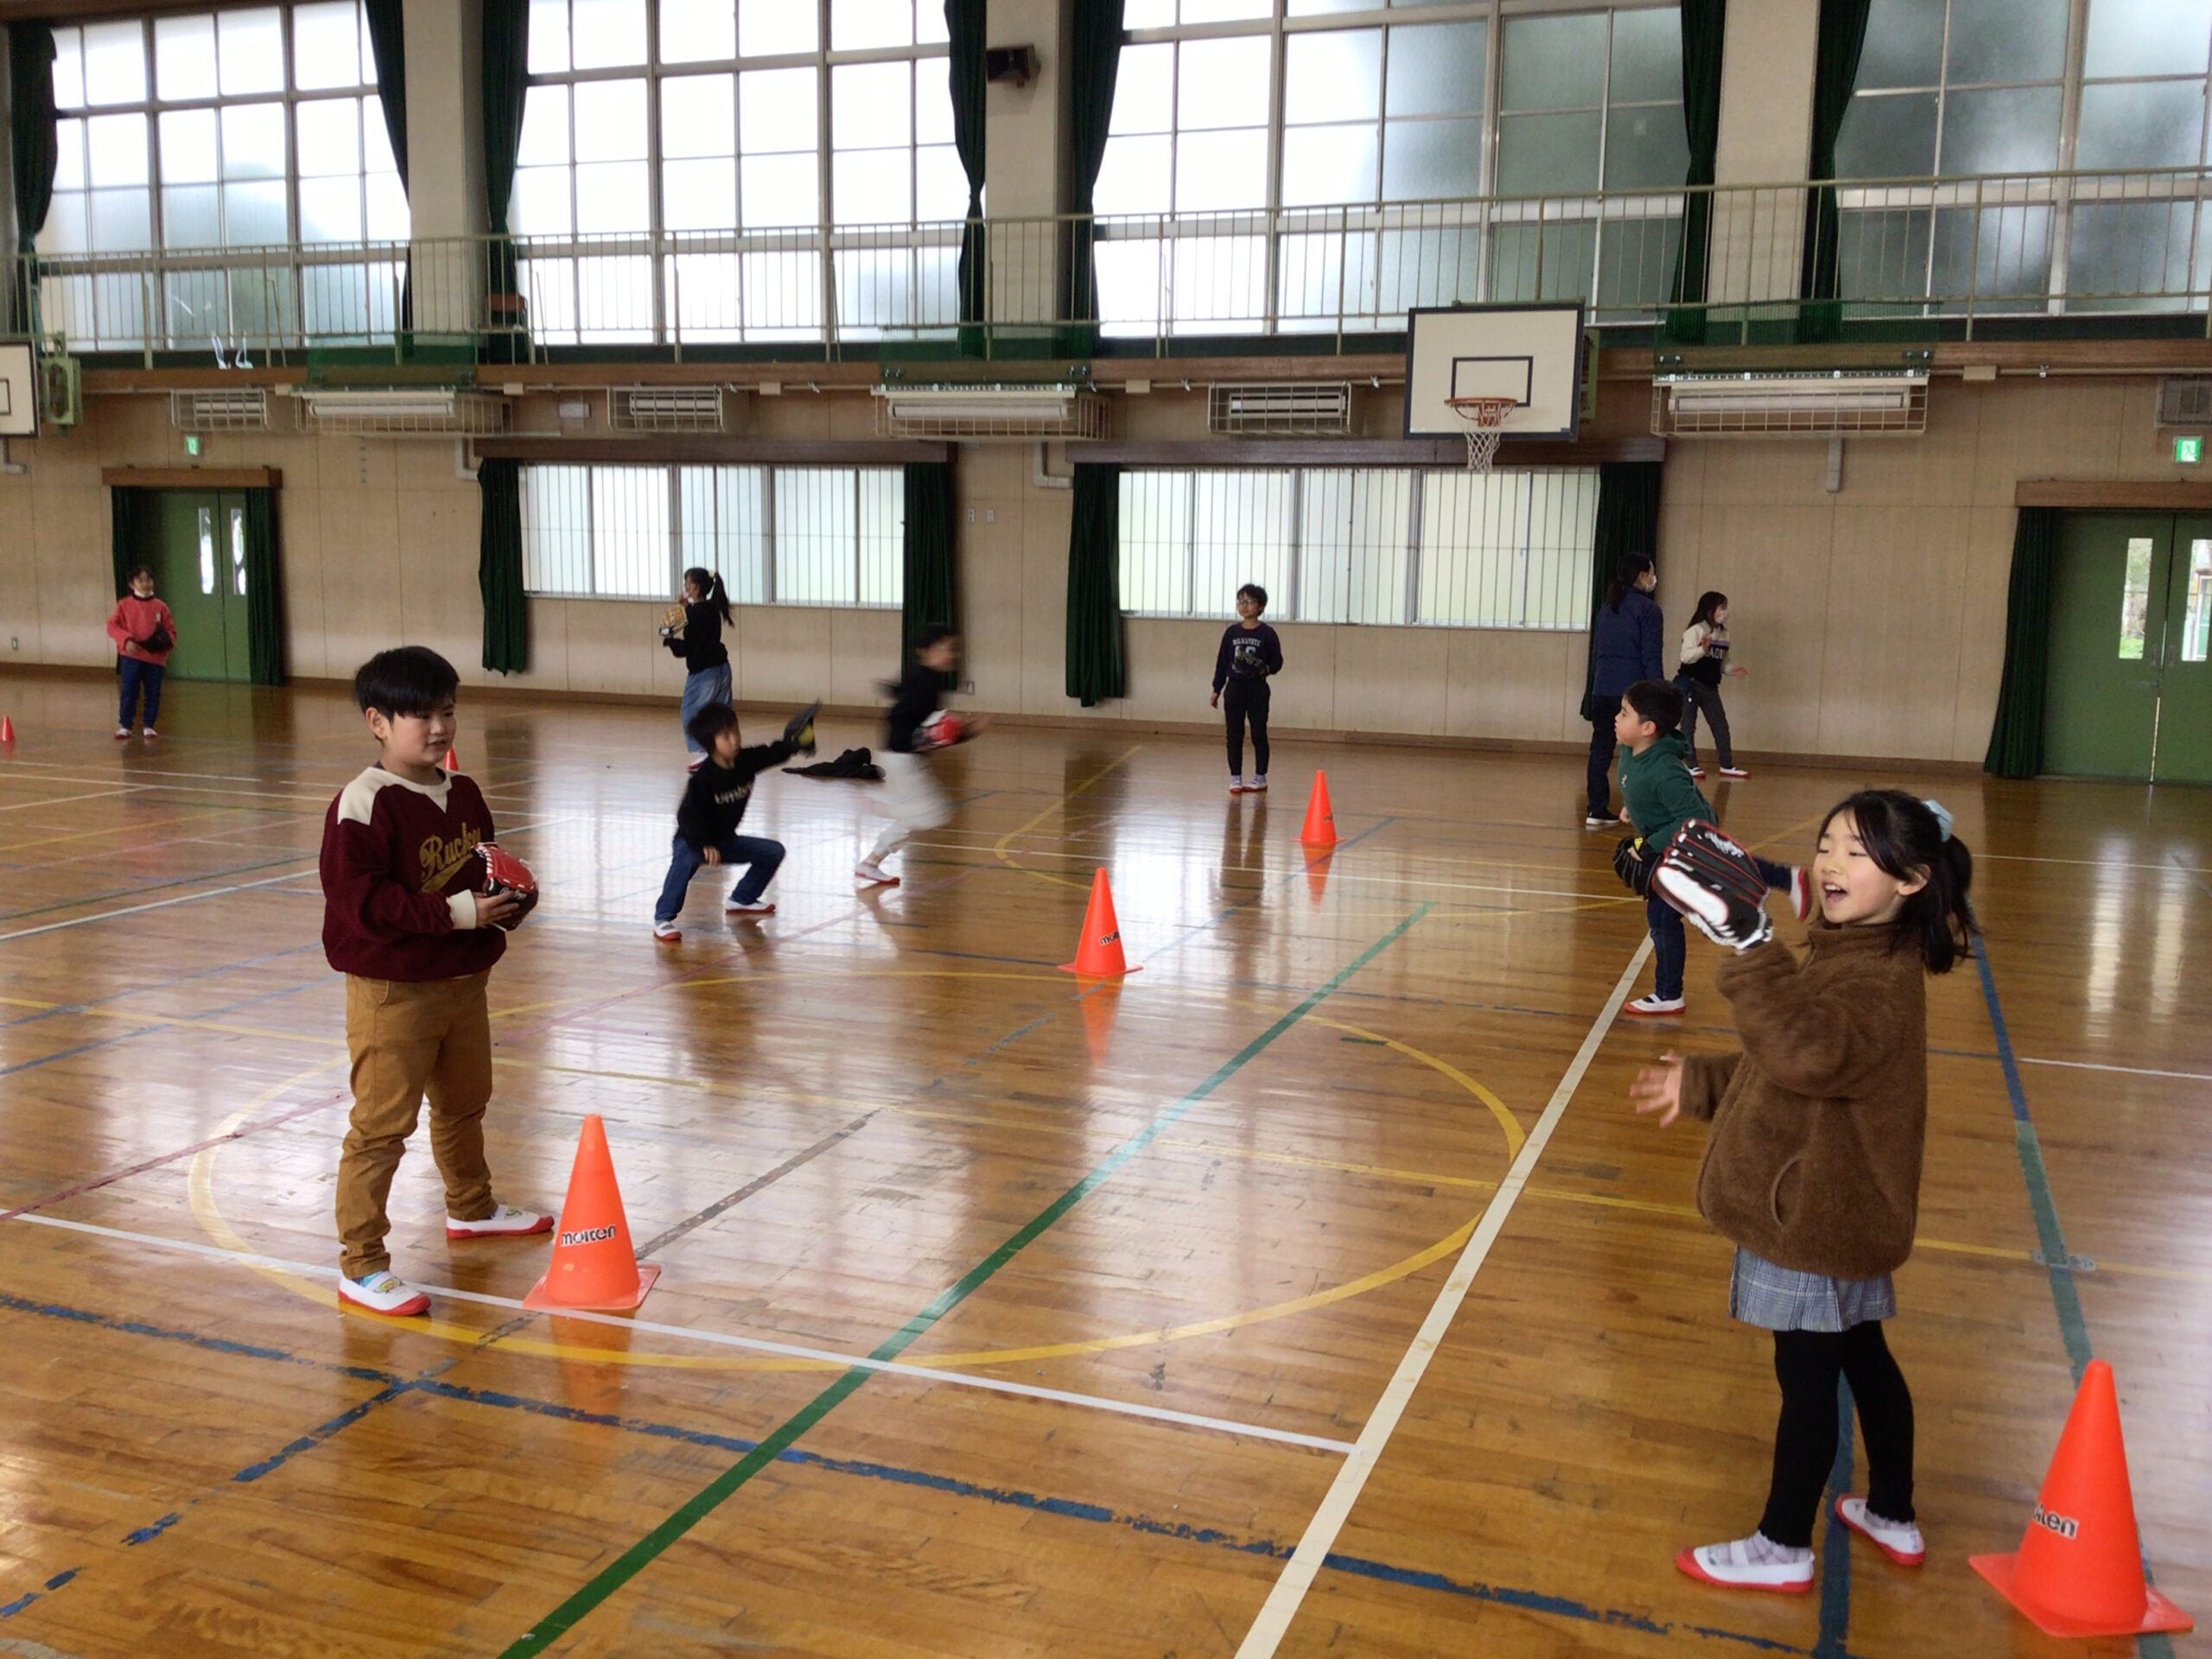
(1899, 1540)
(505, 1222)
(667, 933)
(1256, 786)
(751, 907)
(1654, 1006)
(150, 733)
(1235, 784)
(1733, 771)
(1752, 1563)
(1801, 893)
(869, 873)
(383, 1292)
(1697, 771)
(1591, 820)
(121, 733)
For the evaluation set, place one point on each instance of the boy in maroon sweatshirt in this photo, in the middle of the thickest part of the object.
(402, 921)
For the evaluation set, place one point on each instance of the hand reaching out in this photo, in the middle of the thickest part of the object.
(1659, 1089)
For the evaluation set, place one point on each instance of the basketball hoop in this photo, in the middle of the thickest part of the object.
(1485, 419)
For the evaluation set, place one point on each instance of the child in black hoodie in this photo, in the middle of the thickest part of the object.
(706, 821)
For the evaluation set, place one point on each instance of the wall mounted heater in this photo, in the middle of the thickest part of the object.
(1840, 403)
(1282, 409)
(235, 408)
(403, 412)
(1009, 413)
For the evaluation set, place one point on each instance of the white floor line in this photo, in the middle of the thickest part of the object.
(60, 800)
(158, 904)
(722, 1339)
(2101, 863)
(1282, 1606)
(2124, 1070)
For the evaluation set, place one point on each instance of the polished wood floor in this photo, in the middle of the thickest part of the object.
(1143, 1262)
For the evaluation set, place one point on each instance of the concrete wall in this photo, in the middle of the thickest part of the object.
(1872, 620)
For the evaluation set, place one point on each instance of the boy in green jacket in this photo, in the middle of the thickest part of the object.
(1659, 797)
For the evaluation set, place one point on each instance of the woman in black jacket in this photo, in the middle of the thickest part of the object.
(1624, 648)
(698, 640)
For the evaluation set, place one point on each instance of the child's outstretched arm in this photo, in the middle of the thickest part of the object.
(1813, 1042)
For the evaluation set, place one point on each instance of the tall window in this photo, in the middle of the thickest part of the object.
(257, 128)
(778, 535)
(1947, 88)
(1345, 149)
(1364, 545)
(731, 169)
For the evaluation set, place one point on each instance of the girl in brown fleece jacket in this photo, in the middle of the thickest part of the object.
(1813, 1163)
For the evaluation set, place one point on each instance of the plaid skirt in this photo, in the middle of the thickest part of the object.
(1781, 1299)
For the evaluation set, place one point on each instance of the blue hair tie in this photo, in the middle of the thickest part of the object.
(1943, 817)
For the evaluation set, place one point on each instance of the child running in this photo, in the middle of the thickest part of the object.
(911, 795)
(416, 945)
(1250, 655)
(707, 818)
(1812, 1165)
(1661, 798)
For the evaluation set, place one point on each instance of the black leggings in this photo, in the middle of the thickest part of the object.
(1807, 1365)
(1244, 700)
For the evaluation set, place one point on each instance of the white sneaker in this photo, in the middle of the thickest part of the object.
(150, 733)
(1697, 771)
(755, 907)
(1733, 771)
(1591, 820)
(121, 733)
(1235, 784)
(1753, 1563)
(667, 933)
(383, 1292)
(1654, 1006)
(872, 875)
(1256, 786)
(505, 1222)
(1800, 894)
(1899, 1540)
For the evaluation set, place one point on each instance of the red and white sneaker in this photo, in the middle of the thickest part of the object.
(1801, 893)
(383, 1292)
(873, 875)
(1654, 1006)
(1256, 786)
(751, 907)
(1697, 771)
(667, 933)
(1752, 1563)
(505, 1222)
(148, 735)
(122, 733)
(1899, 1540)
(1235, 784)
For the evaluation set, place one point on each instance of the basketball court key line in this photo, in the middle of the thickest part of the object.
(1316, 1546)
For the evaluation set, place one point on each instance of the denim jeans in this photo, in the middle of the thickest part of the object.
(760, 857)
(137, 676)
(1667, 946)
(708, 685)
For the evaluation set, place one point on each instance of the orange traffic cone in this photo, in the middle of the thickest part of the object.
(1320, 829)
(2079, 1569)
(1098, 952)
(7, 729)
(452, 761)
(594, 1264)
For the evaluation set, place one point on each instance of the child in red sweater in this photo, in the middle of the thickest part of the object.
(402, 920)
(144, 633)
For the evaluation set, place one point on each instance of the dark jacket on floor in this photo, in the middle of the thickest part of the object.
(1819, 1124)
(714, 800)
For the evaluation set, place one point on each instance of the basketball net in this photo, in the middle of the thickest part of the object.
(1485, 419)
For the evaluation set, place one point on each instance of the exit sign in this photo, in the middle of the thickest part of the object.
(192, 443)
(2188, 451)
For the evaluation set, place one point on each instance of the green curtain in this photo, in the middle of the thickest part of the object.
(1094, 668)
(1704, 24)
(965, 30)
(1094, 57)
(32, 136)
(930, 594)
(507, 84)
(388, 47)
(1842, 35)
(1628, 521)
(265, 598)
(2016, 739)
(498, 568)
(126, 513)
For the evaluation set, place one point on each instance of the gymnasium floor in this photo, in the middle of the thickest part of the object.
(1144, 1271)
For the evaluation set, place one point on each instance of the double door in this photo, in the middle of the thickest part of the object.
(2130, 689)
(194, 542)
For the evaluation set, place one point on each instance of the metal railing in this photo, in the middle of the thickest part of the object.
(1968, 249)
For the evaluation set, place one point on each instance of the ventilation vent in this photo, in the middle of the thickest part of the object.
(240, 409)
(2184, 402)
(1845, 403)
(403, 413)
(1320, 408)
(666, 408)
(1009, 413)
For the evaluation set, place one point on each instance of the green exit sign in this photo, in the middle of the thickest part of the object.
(192, 444)
(2188, 451)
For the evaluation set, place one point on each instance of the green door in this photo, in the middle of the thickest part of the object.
(2130, 689)
(196, 546)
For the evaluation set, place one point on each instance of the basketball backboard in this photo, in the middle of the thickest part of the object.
(18, 391)
(1532, 354)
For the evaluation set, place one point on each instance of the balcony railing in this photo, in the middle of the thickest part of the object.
(1965, 250)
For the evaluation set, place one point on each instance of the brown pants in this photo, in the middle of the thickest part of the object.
(407, 1037)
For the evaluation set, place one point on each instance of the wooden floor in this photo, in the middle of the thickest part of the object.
(1145, 1260)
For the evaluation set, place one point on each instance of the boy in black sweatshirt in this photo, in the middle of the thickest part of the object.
(1249, 654)
(706, 821)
